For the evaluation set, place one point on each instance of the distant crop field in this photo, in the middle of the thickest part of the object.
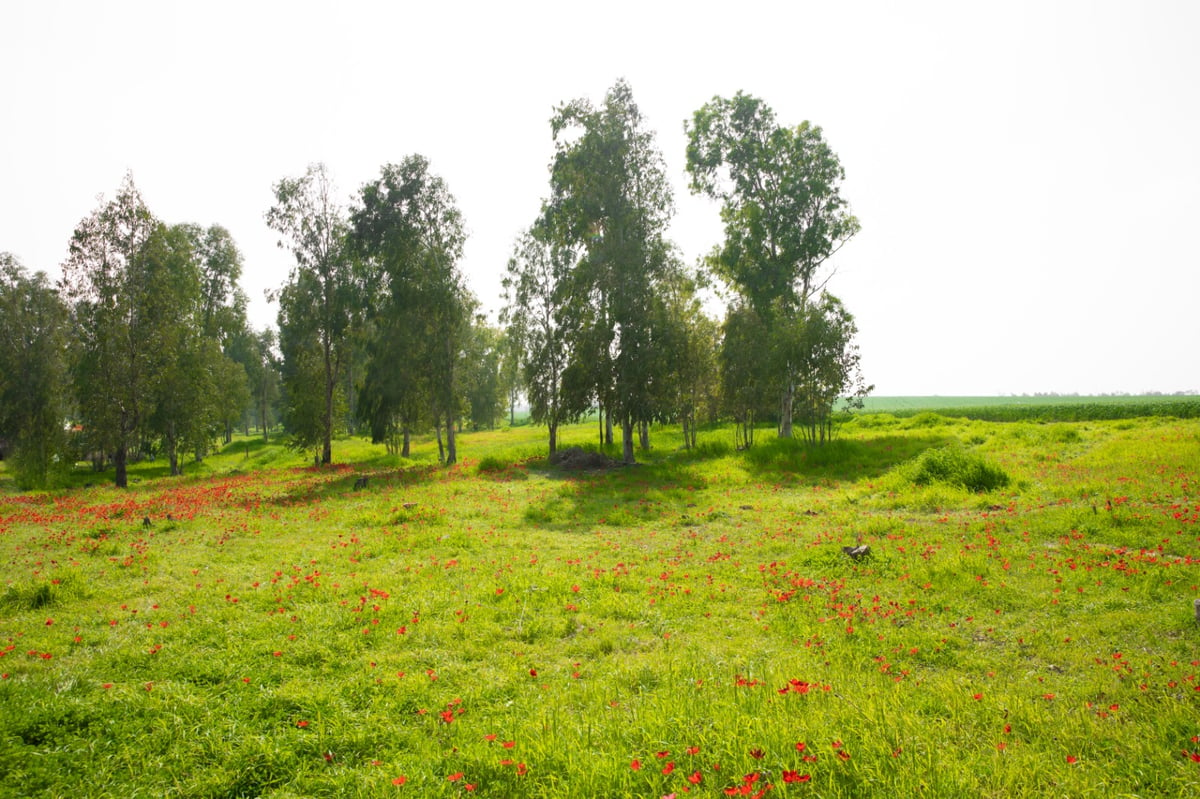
(1044, 408)
(927, 606)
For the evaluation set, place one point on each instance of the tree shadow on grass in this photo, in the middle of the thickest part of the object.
(653, 491)
(665, 486)
(838, 460)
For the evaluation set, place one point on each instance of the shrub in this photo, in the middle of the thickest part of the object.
(952, 465)
(926, 419)
(490, 463)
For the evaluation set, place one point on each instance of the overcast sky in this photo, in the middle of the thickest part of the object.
(1027, 175)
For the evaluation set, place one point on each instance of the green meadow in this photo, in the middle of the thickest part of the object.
(1021, 622)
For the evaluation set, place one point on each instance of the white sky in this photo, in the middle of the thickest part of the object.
(1027, 175)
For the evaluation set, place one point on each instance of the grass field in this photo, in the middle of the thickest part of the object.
(689, 627)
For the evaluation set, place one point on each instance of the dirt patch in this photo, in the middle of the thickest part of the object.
(574, 459)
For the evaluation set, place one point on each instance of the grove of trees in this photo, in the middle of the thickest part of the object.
(143, 348)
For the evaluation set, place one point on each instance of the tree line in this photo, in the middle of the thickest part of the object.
(143, 347)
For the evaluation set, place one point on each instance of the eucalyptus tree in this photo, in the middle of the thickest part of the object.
(611, 200)
(182, 360)
(689, 365)
(782, 209)
(482, 377)
(408, 234)
(536, 294)
(107, 281)
(828, 367)
(33, 373)
(317, 304)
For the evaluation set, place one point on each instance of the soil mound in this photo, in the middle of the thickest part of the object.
(574, 459)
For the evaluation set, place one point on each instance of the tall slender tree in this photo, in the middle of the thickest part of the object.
(408, 234)
(33, 374)
(611, 199)
(783, 211)
(536, 298)
(317, 306)
(107, 281)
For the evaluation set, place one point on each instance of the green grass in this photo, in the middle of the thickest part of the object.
(273, 632)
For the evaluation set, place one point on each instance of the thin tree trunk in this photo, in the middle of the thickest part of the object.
(122, 478)
(553, 437)
(451, 448)
(608, 430)
(644, 435)
(327, 443)
(785, 411)
(173, 450)
(407, 438)
(441, 452)
(627, 439)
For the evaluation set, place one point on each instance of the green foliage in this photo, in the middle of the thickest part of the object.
(784, 217)
(491, 463)
(956, 466)
(780, 190)
(318, 306)
(408, 234)
(610, 201)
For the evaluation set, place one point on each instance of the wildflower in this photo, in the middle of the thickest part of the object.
(667, 769)
(455, 777)
(399, 780)
(694, 778)
(635, 764)
(795, 776)
(1071, 759)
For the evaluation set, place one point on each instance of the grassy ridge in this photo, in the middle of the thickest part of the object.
(690, 625)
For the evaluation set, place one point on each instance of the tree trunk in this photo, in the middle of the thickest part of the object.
(407, 438)
(262, 410)
(327, 422)
(608, 430)
(785, 411)
(441, 452)
(644, 435)
(451, 448)
(553, 437)
(122, 479)
(172, 450)
(627, 439)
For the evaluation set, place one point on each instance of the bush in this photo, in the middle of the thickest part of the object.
(952, 465)
(490, 463)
